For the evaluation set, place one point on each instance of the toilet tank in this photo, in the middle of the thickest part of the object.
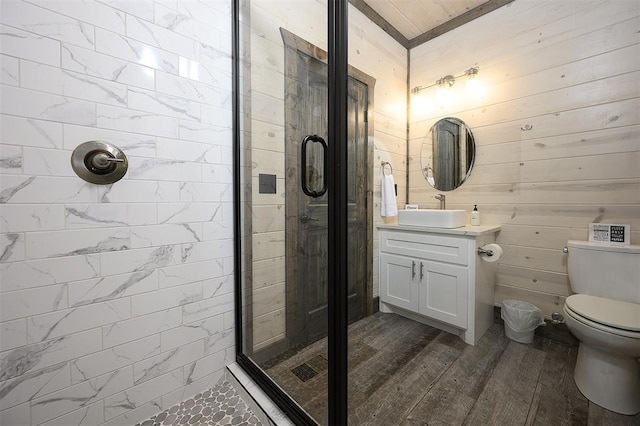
(605, 271)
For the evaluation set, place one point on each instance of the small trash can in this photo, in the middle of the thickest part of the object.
(521, 320)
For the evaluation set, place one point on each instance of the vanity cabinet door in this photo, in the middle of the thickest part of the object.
(399, 281)
(443, 290)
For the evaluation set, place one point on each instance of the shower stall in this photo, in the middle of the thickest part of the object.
(308, 157)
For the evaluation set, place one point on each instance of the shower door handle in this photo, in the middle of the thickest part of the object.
(303, 163)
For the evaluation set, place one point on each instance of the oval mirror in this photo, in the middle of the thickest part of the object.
(448, 153)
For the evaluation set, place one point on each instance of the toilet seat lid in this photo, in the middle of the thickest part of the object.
(613, 313)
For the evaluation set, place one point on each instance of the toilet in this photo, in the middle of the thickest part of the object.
(604, 315)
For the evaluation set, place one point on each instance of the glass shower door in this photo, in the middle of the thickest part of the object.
(284, 208)
(283, 231)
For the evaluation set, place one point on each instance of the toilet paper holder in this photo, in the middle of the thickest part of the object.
(485, 251)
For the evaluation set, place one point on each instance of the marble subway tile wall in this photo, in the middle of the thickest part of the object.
(116, 301)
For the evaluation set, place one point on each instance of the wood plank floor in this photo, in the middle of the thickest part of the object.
(405, 373)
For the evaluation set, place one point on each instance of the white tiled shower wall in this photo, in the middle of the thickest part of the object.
(117, 300)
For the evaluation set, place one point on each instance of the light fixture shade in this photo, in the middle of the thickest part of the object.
(446, 81)
(474, 87)
(445, 96)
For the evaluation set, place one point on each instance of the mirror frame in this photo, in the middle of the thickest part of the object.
(427, 159)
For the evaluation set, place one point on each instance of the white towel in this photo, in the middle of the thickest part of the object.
(388, 205)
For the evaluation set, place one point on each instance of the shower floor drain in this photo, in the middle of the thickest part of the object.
(304, 372)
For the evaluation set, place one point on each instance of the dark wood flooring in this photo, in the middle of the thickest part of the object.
(405, 373)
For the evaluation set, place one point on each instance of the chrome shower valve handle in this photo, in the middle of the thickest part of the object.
(99, 162)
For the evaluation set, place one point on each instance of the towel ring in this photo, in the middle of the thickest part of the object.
(386, 163)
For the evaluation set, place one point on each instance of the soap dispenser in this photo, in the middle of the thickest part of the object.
(475, 216)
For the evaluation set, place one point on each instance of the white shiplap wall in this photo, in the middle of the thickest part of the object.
(571, 71)
(116, 301)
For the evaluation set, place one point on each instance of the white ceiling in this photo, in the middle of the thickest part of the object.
(415, 17)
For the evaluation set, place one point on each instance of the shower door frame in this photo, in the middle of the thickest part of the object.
(337, 11)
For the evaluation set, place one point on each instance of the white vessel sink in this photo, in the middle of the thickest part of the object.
(433, 218)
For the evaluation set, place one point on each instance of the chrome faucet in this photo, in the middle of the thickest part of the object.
(442, 203)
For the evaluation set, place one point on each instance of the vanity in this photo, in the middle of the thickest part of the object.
(435, 276)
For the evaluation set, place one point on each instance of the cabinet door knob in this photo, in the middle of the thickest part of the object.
(421, 271)
(413, 269)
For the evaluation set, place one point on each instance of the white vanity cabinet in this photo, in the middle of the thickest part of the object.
(436, 277)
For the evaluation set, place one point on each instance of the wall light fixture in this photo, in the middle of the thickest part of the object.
(447, 81)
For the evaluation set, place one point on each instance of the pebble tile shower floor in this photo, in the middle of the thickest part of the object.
(220, 405)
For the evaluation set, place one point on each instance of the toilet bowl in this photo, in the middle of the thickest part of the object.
(604, 315)
(607, 370)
